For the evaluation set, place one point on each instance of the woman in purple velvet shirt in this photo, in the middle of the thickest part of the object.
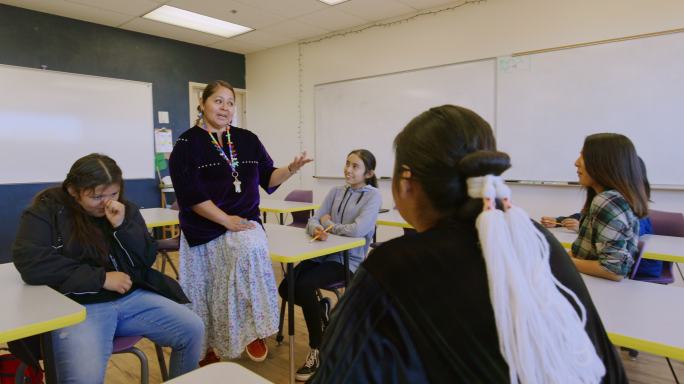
(225, 268)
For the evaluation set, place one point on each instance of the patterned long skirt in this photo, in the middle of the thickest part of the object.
(231, 285)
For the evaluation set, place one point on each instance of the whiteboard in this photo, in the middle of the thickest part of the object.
(548, 103)
(49, 119)
(368, 113)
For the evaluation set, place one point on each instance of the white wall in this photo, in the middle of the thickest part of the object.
(488, 29)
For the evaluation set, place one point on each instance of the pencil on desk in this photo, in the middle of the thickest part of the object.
(319, 235)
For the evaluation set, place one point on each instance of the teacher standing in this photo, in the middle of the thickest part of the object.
(225, 268)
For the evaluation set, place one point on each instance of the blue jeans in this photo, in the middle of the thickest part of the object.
(82, 350)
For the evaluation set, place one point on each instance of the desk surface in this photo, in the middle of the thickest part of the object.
(159, 217)
(666, 248)
(33, 309)
(392, 219)
(282, 206)
(223, 372)
(644, 316)
(290, 244)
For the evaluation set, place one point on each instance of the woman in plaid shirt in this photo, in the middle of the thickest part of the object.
(609, 169)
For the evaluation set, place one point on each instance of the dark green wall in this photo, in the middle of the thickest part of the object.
(33, 39)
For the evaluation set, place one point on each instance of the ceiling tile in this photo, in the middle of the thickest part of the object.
(126, 7)
(156, 28)
(72, 10)
(295, 29)
(265, 39)
(232, 45)
(245, 14)
(372, 10)
(331, 19)
(426, 4)
(287, 8)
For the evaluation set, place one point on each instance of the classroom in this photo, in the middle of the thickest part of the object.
(326, 78)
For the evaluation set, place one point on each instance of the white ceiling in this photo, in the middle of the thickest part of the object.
(275, 22)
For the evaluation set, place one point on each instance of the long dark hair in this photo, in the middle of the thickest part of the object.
(86, 174)
(612, 161)
(368, 162)
(209, 90)
(444, 146)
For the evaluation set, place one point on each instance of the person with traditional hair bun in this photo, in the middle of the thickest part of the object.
(480, 294)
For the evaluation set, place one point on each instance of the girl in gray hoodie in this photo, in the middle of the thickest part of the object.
(349, 210)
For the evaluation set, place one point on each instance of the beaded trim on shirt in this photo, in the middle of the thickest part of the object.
(215, 164)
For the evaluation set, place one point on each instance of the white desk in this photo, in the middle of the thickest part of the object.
(565, 236)
(290, 245)
(281, 207)
(159, 217)
(223, 372)
(392, 219)
(643, 316)
(32, 310)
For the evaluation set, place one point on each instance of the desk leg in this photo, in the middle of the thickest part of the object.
(264, 214)
(290, 317)
(48, 358)
(672, 370)
(680, 271)
(347, 273)
(281, 218)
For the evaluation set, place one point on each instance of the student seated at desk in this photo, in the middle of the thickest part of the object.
(349, 210)
(647, 267)
(454, 303)
(85, 240)
(608, 167)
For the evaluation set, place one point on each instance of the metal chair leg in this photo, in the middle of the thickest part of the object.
(162, 362)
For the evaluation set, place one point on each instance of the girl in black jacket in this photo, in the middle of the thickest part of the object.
(86, 241)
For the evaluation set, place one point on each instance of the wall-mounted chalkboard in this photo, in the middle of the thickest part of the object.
(541, 105)
(48, 119)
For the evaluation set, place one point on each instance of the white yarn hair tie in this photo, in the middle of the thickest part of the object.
(541, 336)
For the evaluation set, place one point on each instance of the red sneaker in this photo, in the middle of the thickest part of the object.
(257, 350)
(209, 358)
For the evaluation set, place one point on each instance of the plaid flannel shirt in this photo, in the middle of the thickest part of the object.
(609, 233)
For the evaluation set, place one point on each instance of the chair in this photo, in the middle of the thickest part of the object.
(164, 246)
(122, 344)
(666, 276)
(299, 219)
(667, 223)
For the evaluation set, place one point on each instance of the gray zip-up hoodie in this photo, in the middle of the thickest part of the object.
(354, 213)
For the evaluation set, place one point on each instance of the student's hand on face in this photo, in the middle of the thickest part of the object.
(115, 212)
(298, 162)
(237, 224)
(571, 224)
(320, 234)
(117, 282)
(548, 222)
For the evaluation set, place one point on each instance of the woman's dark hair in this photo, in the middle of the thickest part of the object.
(612, 161)
(647, 185)
(444, 146)
(209, 90)
(86, 174)
(368, 162)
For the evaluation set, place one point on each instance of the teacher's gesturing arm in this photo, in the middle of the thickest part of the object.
(281, 174)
